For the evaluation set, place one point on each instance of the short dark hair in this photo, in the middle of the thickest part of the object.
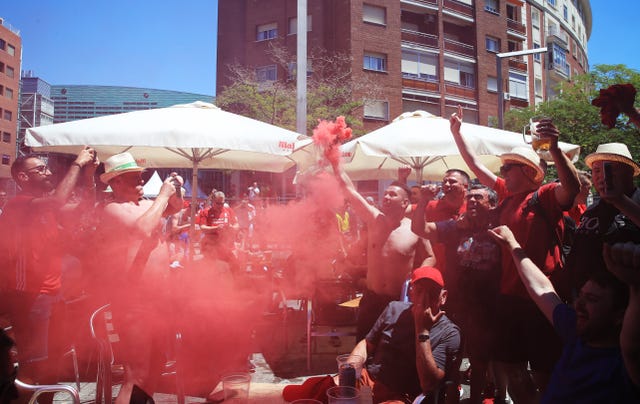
(459, 171)
(619, 290)
(19, 164)
(402, 185)
(493, 196)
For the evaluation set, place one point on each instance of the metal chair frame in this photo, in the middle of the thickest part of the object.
(39, 389)
(103, 332)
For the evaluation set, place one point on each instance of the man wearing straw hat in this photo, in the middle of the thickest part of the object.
(135, 261)
(523, 334)
(613, 171)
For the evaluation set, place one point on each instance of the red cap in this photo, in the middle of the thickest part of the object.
(430, 273)
(314, 387)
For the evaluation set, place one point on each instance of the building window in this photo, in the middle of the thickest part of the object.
(292, 69)
(1, 67)
(418, 65)
(493, 44)
(459, 73)
(565, 13)
(3, 44)
(6, 137)
(375, 61)
(537, 84)
(9, 71)
(293, 25)
(559, 59)
(7, 115)
(267, 73)
(552, 2)
(492, 6)
(535, 17)
(6, 159)
(375, 109)
(11, 50)
(536, 56)
(518, 86)
(492, 84)
(267, 31)
(374, 14)
(8, 93)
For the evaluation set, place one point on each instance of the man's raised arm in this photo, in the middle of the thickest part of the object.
(485, 176)
(538, 285)
(623, 260)
(365, 211)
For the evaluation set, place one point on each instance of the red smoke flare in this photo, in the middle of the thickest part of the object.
(329, 136)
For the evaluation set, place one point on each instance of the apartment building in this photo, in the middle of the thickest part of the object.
(10, 64)
(431, 55)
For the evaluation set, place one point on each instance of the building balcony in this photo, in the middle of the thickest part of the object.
(518, 64)
(559, 72)
(420, 84)
(557, 36)
(420, 38)
(457, 7)
(460, 91)
(429, 3)
(516, 26)
(459, 48)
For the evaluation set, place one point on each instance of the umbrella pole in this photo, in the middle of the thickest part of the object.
(419, 174)
(194, 204)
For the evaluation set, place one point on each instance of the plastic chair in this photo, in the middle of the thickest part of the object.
(104, 333)
(323, 310)
(39, 389)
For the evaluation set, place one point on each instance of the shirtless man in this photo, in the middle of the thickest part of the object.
(393, 250)
(136, 266)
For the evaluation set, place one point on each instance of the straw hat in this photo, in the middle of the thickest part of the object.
(613, 152)
(119, 164)
(526, 156)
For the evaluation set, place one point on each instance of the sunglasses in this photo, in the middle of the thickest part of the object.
(505, 168)
(41, 169)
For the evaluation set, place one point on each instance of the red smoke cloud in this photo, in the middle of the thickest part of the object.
(330, 135)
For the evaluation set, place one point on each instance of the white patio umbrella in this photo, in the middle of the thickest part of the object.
(196, 135)
(424, 142)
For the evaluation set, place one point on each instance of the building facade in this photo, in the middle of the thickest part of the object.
(73, 102)
(10, 65)
(430, 55)
(36, 106)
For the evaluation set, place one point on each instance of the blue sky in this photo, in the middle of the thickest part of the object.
(170, 44)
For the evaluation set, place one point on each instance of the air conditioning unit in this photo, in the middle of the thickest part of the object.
(507, 96)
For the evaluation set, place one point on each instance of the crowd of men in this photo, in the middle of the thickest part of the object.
(536, 324)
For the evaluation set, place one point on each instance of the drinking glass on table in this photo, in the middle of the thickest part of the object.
(343, 395)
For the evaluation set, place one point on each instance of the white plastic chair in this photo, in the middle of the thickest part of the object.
(39, 389)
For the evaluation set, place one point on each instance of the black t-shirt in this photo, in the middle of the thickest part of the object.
(394, 359)
(586, 253)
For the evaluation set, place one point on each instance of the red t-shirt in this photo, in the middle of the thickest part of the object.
(437, 211)
(208, 218)
(31, 247)
(531, 231)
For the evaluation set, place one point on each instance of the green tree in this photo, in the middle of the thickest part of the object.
(575, 117)
(332, 91)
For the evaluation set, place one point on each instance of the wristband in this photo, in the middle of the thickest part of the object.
(76, 164)
(423, 337)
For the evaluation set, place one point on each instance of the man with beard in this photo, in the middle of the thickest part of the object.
(450, 206)
(599, 362)
(524, 335)
(31, 253)
(472, 271)
(393, 250)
